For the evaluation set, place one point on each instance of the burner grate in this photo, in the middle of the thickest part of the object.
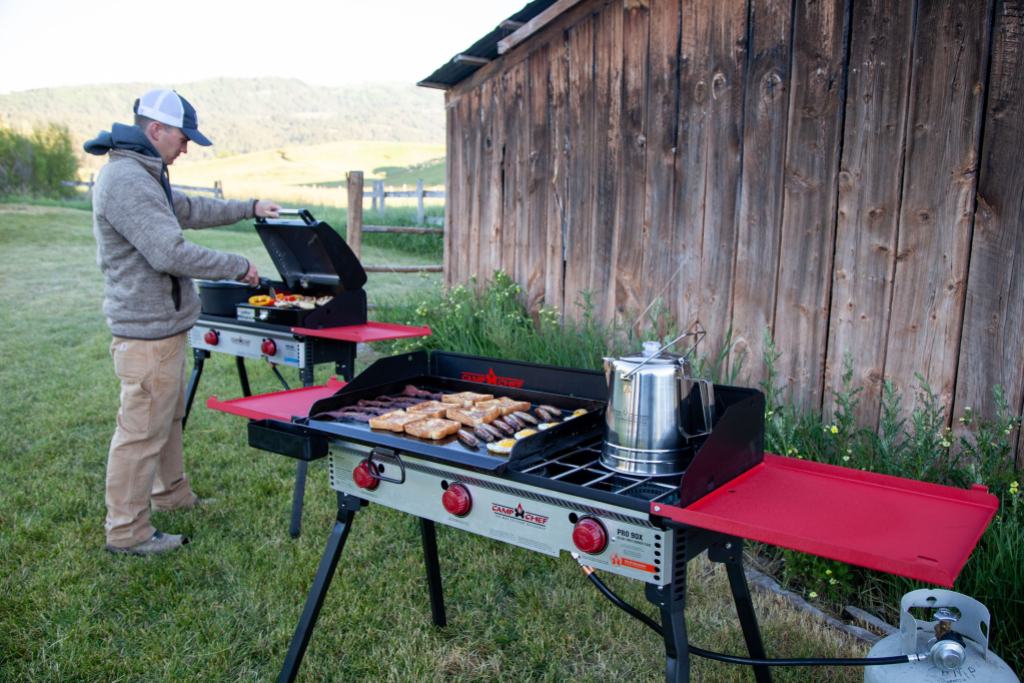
(581, 467)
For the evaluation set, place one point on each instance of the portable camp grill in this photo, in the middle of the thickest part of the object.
(313, 260)
(551, 494)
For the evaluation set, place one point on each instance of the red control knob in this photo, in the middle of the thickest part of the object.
(211, 337)
(456, 500)
(268, 347)
(589, 536)
(363, 478)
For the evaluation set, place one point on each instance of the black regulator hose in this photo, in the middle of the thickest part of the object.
(733, 659)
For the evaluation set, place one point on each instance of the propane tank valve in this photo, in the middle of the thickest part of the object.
(948, 652)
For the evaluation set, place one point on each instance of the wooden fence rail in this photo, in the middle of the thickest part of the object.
(217, 190)
(356, 228)
(379, 194)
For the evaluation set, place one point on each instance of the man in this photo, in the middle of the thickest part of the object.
(150, 304)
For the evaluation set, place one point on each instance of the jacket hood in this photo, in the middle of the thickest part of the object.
(121, 136)
(132, 139)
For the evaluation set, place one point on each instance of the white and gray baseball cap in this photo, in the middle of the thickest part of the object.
(167, 106)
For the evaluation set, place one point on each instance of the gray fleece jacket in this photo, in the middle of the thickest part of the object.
(147, 264)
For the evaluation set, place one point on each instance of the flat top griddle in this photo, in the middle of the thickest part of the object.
(450, 449)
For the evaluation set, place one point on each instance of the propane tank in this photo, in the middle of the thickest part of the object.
(954, 642)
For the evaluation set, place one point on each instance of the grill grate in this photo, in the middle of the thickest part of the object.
(581, 467)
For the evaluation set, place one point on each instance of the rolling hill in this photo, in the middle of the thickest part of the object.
(247, 115)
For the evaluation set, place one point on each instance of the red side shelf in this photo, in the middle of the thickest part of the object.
(366, 333)
(895, 525)
(279, 405)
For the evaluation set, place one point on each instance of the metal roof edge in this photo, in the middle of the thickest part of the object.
(459, 67)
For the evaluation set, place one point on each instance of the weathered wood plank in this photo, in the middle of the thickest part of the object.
(534, 25)
(869, 199)
(690, 162)
(808, 218)
(630, 228)
(759, 225)
(608, 140)
(555, 220)
(992, 343)
(659, 263)
(939, 182)
(725, 74)
(474, 183)
(489, 173)
(515, 149)
(538, 180)
(579, 163)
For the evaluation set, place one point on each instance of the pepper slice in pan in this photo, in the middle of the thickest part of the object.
(261, 300)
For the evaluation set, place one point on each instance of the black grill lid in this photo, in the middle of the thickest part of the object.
(310, 254)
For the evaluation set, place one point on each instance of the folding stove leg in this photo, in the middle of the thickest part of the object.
(671, 600)
(243, 375)
(199, 356)
(730, 553)
(299, 493)
(295, 528)
(314, 601)
(433, 572)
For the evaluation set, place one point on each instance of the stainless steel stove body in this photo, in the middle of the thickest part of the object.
(525, 515)
(553, 496)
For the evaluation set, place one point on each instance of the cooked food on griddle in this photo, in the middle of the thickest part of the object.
(523, 433)
(502, 426)
(432, 428)
(466, 399)
(504, 403)
(395, 421)
(468, 439)
(503, 447)
(429, 408)
(472, 417)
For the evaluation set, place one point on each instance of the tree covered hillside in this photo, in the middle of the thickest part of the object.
(245, 115)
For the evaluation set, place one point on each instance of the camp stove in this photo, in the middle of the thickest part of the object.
(552, 494)
(314, 261)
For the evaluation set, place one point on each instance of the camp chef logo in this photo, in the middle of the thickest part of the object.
(491, 378)
(620, 561)
(520, 514)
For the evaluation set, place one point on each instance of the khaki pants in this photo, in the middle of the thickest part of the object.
(145, 460)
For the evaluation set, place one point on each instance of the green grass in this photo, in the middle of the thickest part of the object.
(224, 608)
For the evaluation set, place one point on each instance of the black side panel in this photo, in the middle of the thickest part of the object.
(387, 370)
(735, 445)
(570, 382)
(287, 439)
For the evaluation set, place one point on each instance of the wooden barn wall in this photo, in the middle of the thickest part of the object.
(845, 174)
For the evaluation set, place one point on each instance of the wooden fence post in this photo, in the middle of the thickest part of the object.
(355, 211)
(92, 181)
(419, 202)
(218, 190)
(378, 190)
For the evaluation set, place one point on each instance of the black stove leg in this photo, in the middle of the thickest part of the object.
(730, 553)
(315, 599)
(433, 572)
(295, 528)
(299, 493)
(199, 356)
(671, 601)
(243, 375)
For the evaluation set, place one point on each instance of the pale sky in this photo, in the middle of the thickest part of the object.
(49, 43)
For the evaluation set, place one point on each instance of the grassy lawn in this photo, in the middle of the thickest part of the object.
(224, 608)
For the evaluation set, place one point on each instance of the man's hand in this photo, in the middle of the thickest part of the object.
(267, 209)
(251, 277)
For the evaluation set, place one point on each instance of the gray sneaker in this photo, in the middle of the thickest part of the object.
(158, 543)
